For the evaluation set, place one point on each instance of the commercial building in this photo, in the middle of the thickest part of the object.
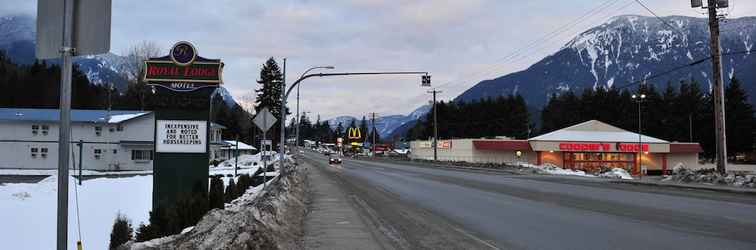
(101, 139)
(588, 146)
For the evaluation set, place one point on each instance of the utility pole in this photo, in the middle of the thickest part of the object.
(435, 124)
(283, 119)
(718, 91)
(64, 137)
(374, 131)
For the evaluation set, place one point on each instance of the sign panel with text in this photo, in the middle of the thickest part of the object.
(181, 136)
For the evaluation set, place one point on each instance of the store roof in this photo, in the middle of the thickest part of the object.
(242, 146)
(77, 115)
(594, 130)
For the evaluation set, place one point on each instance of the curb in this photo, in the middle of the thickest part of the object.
(687, 186)
(431, 165)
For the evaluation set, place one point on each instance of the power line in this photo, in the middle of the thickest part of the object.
(658, 17)
(672, 70)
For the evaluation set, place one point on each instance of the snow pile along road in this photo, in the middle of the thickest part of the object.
(554, 170)
(711, 177)
(616, 173)
(271, 220)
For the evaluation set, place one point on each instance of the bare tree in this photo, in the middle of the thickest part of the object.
(136, 55)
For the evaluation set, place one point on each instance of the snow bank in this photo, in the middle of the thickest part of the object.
(616, 173)
(28, 210)
(260, 219)
(554, 170)
(72, 172)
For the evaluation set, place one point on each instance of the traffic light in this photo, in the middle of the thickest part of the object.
(426, 81)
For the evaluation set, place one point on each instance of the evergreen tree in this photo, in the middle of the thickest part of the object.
(739, 119)
(122, 231)
(364, 129)
(269, 93)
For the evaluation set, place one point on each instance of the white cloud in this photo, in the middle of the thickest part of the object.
(459, 42)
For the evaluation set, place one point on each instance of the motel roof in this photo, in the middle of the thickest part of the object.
(594, 130)
(242, 146)
(77, 115)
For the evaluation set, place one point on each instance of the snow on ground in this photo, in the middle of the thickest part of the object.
(554, 170)
(72, 172)
(28, 210)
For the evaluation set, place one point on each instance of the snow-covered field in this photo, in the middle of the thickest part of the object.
(28, 211)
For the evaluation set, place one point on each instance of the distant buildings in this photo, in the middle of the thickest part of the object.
(588, 146)
(101, 139)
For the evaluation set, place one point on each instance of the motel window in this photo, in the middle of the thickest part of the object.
(115, 151)
(141, 155)
(97, 153)
(34, 152)
(43, 152)
(119, 127)
(111, 129)
(98, 130)
(45, 129)
(35, 129)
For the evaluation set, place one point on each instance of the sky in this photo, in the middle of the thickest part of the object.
(459, 42)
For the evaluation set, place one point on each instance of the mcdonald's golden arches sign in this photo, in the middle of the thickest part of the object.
(354, 133)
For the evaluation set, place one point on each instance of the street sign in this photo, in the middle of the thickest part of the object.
(264, 119)
(91, 27)
(183, 69)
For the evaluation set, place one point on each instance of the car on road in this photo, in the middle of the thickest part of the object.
(334, 160)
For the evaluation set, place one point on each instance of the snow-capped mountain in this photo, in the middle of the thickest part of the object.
(18, 42)
(384, 124)
(630, 48)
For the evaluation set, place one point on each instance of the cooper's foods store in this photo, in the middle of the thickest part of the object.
(586, 146)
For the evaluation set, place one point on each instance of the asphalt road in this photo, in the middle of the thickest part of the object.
(415, 207)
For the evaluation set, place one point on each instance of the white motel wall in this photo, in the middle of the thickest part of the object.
(110, 140)
(589, 146)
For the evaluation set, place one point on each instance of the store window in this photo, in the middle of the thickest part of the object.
(595, 162)
(141, 155)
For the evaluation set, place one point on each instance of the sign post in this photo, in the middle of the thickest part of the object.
(264, 120)
(183, 84)
(66, 29)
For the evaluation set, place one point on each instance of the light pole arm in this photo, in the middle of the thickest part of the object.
(305, 76)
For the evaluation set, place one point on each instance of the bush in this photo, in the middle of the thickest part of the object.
(186, 212)
(231, 193)
(216, 193)
(122, 231)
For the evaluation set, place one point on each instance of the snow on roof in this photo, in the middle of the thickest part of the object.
(242, 146)
(124, 117)
(594, 130)
(77, 115)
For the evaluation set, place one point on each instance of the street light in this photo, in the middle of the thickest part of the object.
(296, 142)
(639, 99)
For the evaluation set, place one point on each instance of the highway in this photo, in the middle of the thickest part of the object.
(421, 207)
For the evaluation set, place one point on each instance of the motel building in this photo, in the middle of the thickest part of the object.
(588, 146)
(100, 139)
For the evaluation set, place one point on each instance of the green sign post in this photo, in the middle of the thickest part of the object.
(183, 83)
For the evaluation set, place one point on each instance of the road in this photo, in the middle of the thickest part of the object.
(415, 207)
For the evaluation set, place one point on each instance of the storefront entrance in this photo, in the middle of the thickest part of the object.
(593, 162)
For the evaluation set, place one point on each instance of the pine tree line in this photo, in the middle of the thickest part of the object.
(490, 117)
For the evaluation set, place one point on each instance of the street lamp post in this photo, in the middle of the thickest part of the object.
(298, 115)
(639, 99)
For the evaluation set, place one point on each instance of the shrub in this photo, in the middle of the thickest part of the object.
(122, 231)
(216, 193)
(231, 193)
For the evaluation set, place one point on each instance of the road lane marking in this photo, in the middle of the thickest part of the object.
(475, 238)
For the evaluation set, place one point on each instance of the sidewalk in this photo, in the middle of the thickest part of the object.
(333, 222)
(716, 188)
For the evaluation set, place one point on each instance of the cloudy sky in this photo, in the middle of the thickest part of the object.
(460, 42)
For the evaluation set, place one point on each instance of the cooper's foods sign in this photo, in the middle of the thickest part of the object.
(177, 136)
